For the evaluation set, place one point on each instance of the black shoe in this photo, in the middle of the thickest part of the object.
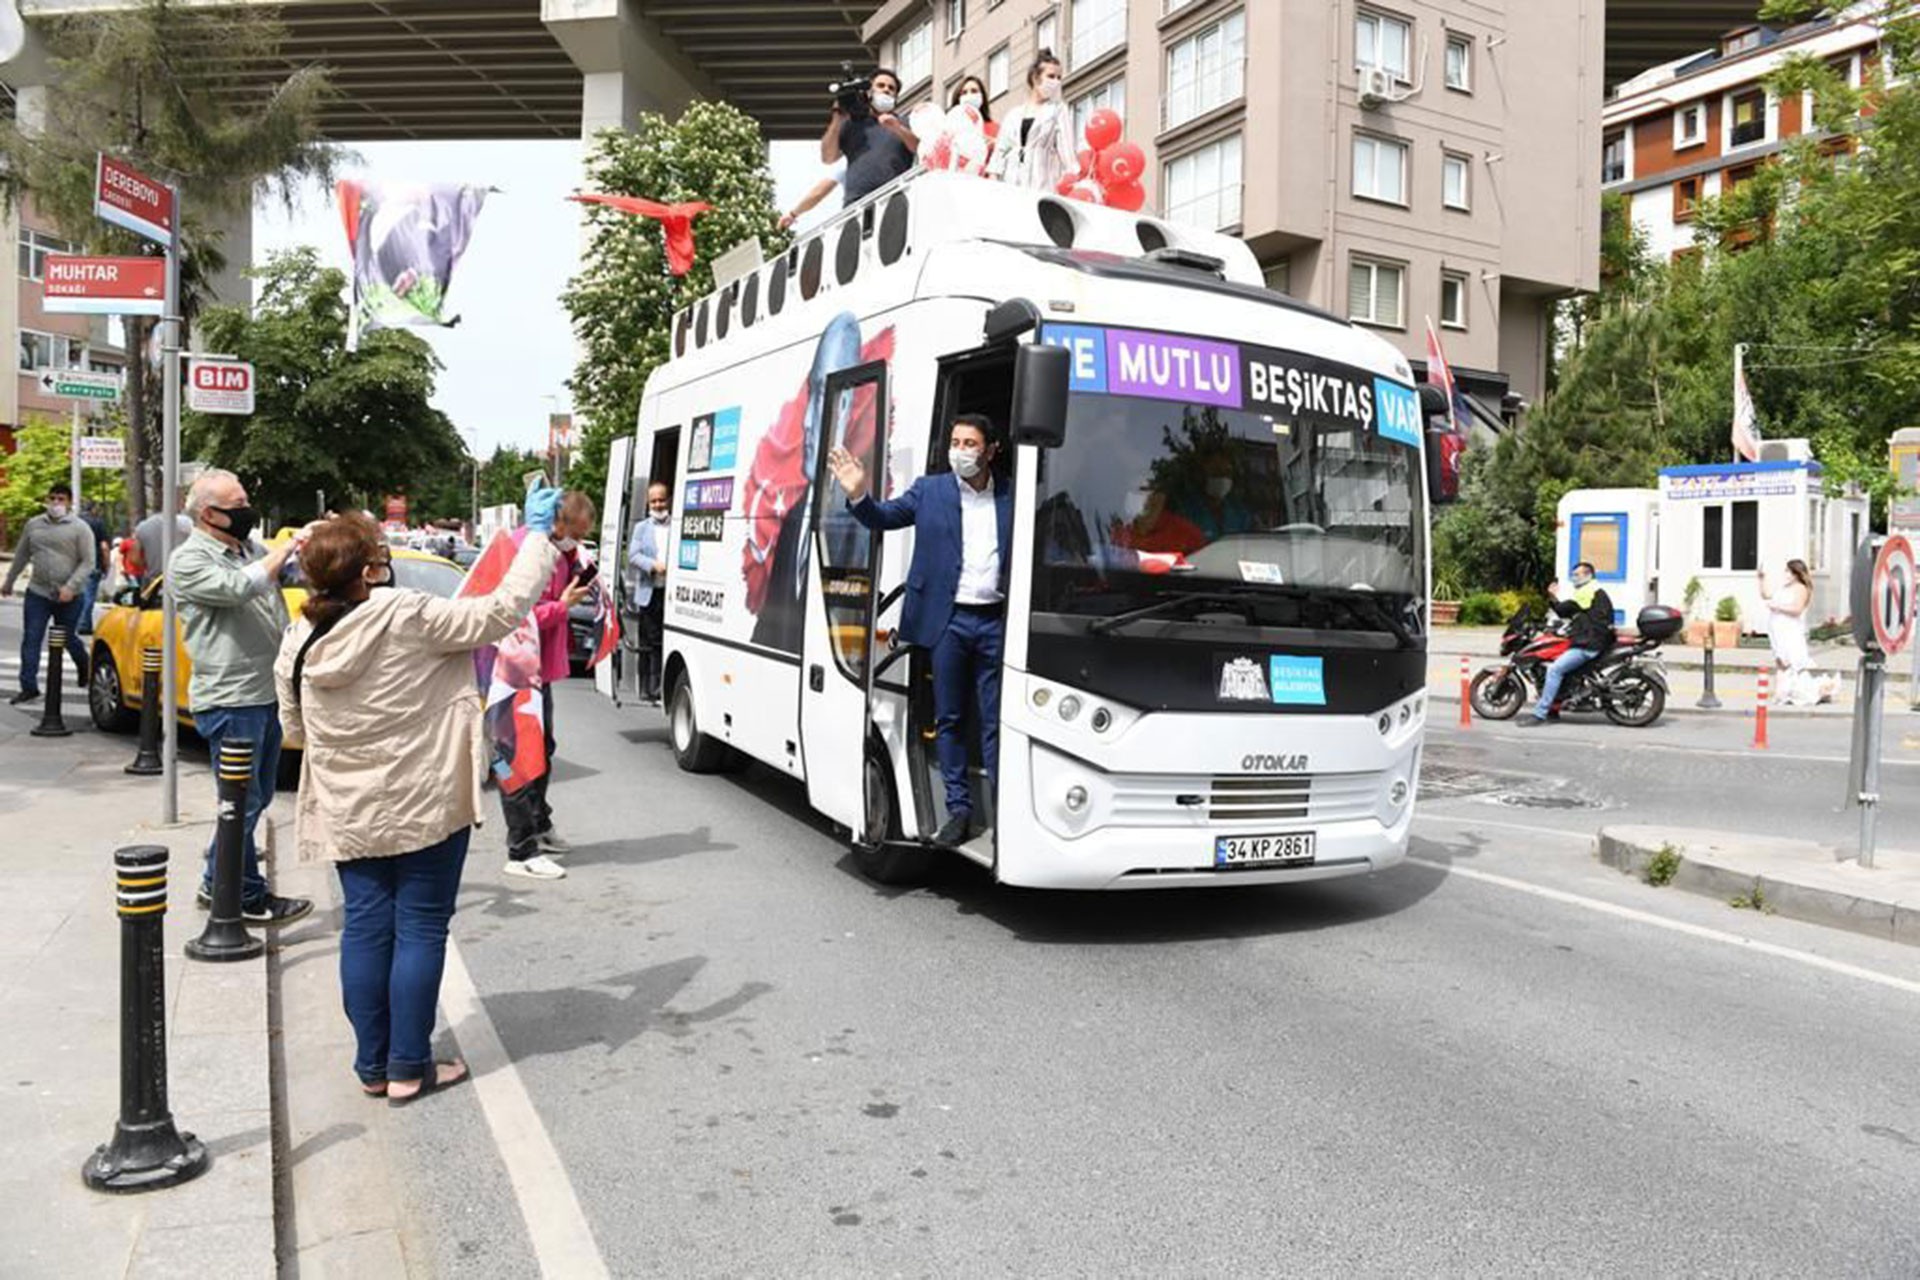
(954, 833)
(273, 909)
(1529, 721)
(81, 670)
(25, 695)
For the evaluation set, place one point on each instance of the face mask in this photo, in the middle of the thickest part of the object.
(566, 544)
(1581, 579)
(973, 100)
(1050, 90)
(240, 520)
(1219, 486)
(659, 514)
(883, 102)
(965, 462)
(57, 510)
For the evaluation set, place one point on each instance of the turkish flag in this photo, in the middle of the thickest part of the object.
(676, 220)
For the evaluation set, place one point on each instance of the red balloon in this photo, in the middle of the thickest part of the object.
(1066, 185)
(1127, 196)
(1125, 162)
(1103, 128)
(1084, 191)
(1086, 162)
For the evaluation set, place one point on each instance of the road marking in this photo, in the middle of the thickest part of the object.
(1474, 820)
(562, 1241)
(1677, 926)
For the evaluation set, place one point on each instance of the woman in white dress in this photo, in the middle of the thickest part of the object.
(1787, 630)
(1035, 148)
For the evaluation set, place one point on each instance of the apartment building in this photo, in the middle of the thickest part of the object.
(1694, 128)
(40, 340)
(1388, 162)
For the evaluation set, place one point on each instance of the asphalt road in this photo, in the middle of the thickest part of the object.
(1500, 1058)
(751, 1062)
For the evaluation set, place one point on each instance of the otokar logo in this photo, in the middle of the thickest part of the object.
(1274, 764)
(1242, 680)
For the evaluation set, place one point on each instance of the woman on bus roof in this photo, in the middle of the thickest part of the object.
(971, 92)
(1035, 148)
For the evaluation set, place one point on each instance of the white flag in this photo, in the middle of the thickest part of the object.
(1746, 433)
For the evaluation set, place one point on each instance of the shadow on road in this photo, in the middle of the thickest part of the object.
(641, 850)
(532, 1023)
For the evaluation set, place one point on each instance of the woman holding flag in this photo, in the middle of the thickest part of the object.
(380, 685)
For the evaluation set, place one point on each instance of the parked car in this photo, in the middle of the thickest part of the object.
(132, 623)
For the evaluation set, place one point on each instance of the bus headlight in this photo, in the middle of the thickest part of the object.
(1385, 723)
(1069, 707)
(1042, 696)
(1397, 793)
(1100, 719)
(1076, 799)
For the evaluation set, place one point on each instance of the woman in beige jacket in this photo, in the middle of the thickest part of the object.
(381, 686)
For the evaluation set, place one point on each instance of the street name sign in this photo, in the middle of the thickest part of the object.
(219, 386)
(104, 286)
(128, 198)
(105, 453)
(77, 384)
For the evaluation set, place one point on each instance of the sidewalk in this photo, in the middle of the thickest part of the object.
(1795, 878)
(69, 806)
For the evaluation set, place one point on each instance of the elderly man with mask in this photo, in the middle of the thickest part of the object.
(232, 618)
(60, 548)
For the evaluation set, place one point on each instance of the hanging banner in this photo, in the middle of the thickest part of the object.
(406, 239)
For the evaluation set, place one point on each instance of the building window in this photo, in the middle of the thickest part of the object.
(1613, 158)
(1046, 32)
(913, 58)
(956, 18)
(1379, 169)
(1279, 276)
(999, 71)
(1749, 116)
(1686, 198)
(1690, 125)
(48, 351)
(96, 365)
(1112, 94)
(1384, 42)
(1206, 70)
(1203, 187)
(1744, 554)
(1733, 179)
(1374, 292)
(1098, 25)
(34, 248)
(1455, 177)
(1460, 63)
(1713, 537)
(1453, 299)
(1740, 41)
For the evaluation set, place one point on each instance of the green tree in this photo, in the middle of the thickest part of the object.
(501, 476)
(623, 300)
(170, 87)
(355, 425)
(42, 459)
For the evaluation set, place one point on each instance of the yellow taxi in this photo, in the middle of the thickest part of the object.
(132, 624)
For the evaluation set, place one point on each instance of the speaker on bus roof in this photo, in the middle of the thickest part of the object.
(893, 229)
(1152, 236)
(812, 258)
(846, 253)
(750, 299)
(680, 333)
(1058, 221)
(723, 314)
(777, 283)
(700, 322)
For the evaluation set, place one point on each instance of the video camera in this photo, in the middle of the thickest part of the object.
(852, 94)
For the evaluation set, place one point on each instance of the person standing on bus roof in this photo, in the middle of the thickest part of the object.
(956, 592)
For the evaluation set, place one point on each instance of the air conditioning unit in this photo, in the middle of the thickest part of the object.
(1785, 451)
(1376, 87)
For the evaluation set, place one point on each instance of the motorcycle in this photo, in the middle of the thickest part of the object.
(1628, 682)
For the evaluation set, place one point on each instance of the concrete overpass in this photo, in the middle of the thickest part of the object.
(430, 70)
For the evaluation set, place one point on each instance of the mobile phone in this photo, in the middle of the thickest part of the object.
(587, 574)
(533, 480)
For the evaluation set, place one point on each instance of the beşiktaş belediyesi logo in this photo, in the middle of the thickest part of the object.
(1242, 680)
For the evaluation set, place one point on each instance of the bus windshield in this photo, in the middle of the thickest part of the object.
(1169, 510)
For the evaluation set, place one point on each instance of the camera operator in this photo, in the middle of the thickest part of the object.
(877, 146)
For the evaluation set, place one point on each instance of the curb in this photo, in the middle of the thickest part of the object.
(1450, 693)
(1798, 879)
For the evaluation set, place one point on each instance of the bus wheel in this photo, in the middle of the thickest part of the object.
(885, 860)
(693, 750)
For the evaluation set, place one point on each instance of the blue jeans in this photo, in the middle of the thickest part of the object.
(39, 611)
(1557, 671)
(86, 603)
(392, 951)
(966, 662)
(261, 725)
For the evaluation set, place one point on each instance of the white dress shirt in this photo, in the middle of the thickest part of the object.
(979, 546)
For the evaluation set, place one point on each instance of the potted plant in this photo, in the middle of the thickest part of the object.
(1726, 623)
(1446, 598)
(1697, 626)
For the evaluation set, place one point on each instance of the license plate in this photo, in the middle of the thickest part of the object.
(1291, 849)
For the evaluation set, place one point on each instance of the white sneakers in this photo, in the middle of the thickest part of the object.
(538, 867)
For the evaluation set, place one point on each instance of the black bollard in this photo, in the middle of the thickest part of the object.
(226, 937)
(147, 762)
(1708, 702)
(147, 1151)
(53, 723)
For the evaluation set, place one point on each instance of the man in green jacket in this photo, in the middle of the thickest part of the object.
(59, 546)
(232, 618)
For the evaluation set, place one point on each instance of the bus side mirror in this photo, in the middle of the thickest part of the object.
(1041, 374)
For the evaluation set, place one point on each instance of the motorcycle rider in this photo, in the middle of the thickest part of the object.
(1589, 632)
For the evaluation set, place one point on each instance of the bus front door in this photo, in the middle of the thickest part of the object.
(837, 653)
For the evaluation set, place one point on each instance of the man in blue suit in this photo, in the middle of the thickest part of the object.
(647, 558)
(956, 600)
